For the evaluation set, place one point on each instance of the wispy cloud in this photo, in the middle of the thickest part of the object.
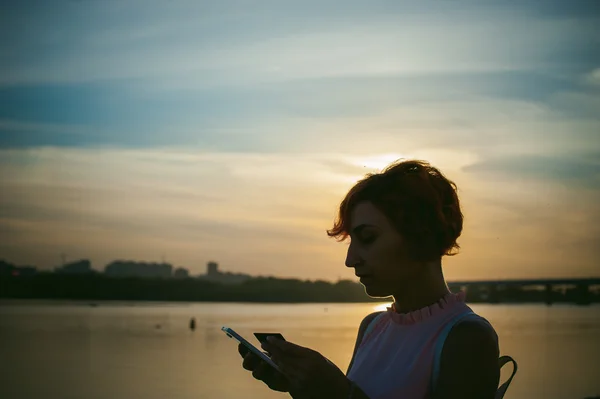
(267, 213)
(593, 78)
(274, 41)
(231, 132)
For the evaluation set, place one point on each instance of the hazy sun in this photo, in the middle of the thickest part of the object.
(378, 162)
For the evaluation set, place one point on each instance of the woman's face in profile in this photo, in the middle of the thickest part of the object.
(377, 253)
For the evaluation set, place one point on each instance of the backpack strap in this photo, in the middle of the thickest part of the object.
(364, 332)
(371, 327)
(501, 362)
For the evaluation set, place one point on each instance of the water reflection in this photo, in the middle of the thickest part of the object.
(382, 307)
(121, 355)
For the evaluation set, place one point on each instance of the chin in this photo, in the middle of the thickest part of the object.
(375, 292)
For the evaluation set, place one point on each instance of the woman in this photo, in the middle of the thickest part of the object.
(400, 222)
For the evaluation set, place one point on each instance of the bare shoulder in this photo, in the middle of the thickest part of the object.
(469, 362)
(472, 343)
(471, 333)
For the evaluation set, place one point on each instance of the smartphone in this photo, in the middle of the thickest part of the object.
(262, 337)
(232, 334)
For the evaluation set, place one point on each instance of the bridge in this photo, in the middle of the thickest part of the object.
(579, 289)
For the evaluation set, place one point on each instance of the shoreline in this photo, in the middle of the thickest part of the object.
(109, 302)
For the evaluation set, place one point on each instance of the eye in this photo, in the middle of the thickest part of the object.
(368, 238)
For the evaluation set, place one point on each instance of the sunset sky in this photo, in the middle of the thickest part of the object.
(230, 131)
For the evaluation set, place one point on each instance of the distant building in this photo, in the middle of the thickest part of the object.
(25, 271)
(8, 269)
(120, 268)
(181, 272)
(82, 266)
(212, 269)
(214, 275)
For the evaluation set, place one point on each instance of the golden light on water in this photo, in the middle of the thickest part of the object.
(382, 307)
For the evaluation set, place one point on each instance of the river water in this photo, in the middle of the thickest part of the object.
(64, 350)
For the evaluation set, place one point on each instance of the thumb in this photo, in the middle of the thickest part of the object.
(288, 347)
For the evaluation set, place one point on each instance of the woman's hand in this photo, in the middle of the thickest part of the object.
(262, 371)
(308, 371)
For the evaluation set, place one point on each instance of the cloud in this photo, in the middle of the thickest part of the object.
(232, 132)
(593, 77)
(538, 213)
(321, 120)
(267, 213)
(203, 202)
(199, 45)
(570, 171)
(239, 79)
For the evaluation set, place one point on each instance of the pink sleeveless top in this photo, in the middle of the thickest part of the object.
(396, 356)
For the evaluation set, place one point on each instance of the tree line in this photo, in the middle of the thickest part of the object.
(100, 287)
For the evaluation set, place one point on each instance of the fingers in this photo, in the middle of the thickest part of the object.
(294, 375)
(297, 370)
(293, 360)
(251, 361)
(243, 350)
(276, 345)
(262, 371)
(271, 377)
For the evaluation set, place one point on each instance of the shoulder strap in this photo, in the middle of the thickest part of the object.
(439, 345)
(501, 362)
(371, 326)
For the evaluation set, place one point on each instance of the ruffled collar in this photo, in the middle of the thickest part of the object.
(442, 305)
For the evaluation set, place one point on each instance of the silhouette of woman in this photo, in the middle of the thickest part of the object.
(429, 342)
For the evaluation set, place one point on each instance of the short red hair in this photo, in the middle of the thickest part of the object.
(421, 203)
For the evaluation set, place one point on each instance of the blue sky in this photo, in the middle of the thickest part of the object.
(140, 129)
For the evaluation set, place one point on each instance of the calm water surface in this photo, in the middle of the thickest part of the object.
(60, 350)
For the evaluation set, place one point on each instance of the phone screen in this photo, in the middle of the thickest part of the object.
(232, 334)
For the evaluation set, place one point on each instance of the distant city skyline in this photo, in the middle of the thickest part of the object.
(129, 268)
(232, 132)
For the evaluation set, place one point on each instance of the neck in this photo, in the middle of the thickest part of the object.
(424, 290)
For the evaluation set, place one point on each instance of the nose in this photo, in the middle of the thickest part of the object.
(352, 258)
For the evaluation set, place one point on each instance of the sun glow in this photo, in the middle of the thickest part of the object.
(380, 161)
